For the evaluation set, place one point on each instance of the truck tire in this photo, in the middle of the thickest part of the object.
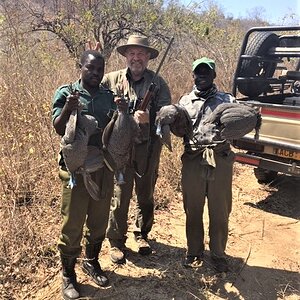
(258, 45)
(264, 176)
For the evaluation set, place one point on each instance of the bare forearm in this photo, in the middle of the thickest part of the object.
(61, 121)
(72, 103)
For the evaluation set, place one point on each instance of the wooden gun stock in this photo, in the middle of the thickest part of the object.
(146, 100)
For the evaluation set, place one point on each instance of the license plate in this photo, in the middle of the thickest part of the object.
(286, 153)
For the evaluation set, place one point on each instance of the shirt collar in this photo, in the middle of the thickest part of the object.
(129, 76)
(78, 86)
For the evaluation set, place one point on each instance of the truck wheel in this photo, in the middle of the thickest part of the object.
(264, 176)
(258, 45)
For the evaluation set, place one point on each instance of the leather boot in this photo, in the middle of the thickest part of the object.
(91, 265)
(69, 282)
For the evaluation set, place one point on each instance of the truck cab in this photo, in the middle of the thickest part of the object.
(267, 77)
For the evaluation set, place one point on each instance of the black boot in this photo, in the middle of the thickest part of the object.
(91, 265)
(69, 282)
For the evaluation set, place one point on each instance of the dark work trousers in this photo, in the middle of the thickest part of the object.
(144, 189)
(218, 192)
(79, 209)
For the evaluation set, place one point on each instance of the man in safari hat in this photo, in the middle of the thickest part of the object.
(133, 83)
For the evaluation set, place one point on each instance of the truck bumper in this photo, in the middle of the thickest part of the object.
(292, 168)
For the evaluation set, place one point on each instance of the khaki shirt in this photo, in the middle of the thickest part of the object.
(136, 90)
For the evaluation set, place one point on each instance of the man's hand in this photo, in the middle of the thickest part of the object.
(141, 116)
(122, 104)
(72, 102)
(89, 46)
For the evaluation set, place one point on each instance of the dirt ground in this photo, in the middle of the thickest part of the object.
(263, 252)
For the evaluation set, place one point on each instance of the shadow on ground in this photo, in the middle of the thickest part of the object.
(284, 199)
(169, 280)
(257, 283)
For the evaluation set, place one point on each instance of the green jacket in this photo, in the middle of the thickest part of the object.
(101, 107)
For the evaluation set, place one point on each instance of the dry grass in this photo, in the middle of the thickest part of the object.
(28, 182)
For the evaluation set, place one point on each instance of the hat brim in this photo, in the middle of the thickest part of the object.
(122, 50)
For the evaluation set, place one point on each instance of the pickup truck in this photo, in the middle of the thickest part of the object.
(267, 77)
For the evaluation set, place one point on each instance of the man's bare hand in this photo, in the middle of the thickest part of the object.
(122, 104)
(89, 46)
(141, 116)
(72, 102)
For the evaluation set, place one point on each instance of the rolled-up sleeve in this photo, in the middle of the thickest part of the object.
(58, 102)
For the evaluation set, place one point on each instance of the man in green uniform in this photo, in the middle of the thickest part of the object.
(206, 171)
(133, 82)
(78, 207)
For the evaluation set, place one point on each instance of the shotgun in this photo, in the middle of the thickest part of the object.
(150, 92)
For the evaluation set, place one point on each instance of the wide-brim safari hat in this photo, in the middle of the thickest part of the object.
(138, 41)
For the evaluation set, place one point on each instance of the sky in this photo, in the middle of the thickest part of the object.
(277, 12)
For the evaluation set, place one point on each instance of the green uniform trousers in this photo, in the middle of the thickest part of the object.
(196, 187)
(144, 189)
(79, 209)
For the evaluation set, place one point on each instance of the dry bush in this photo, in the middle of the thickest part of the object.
(32, 67)
(168, 185)
(29, 186)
